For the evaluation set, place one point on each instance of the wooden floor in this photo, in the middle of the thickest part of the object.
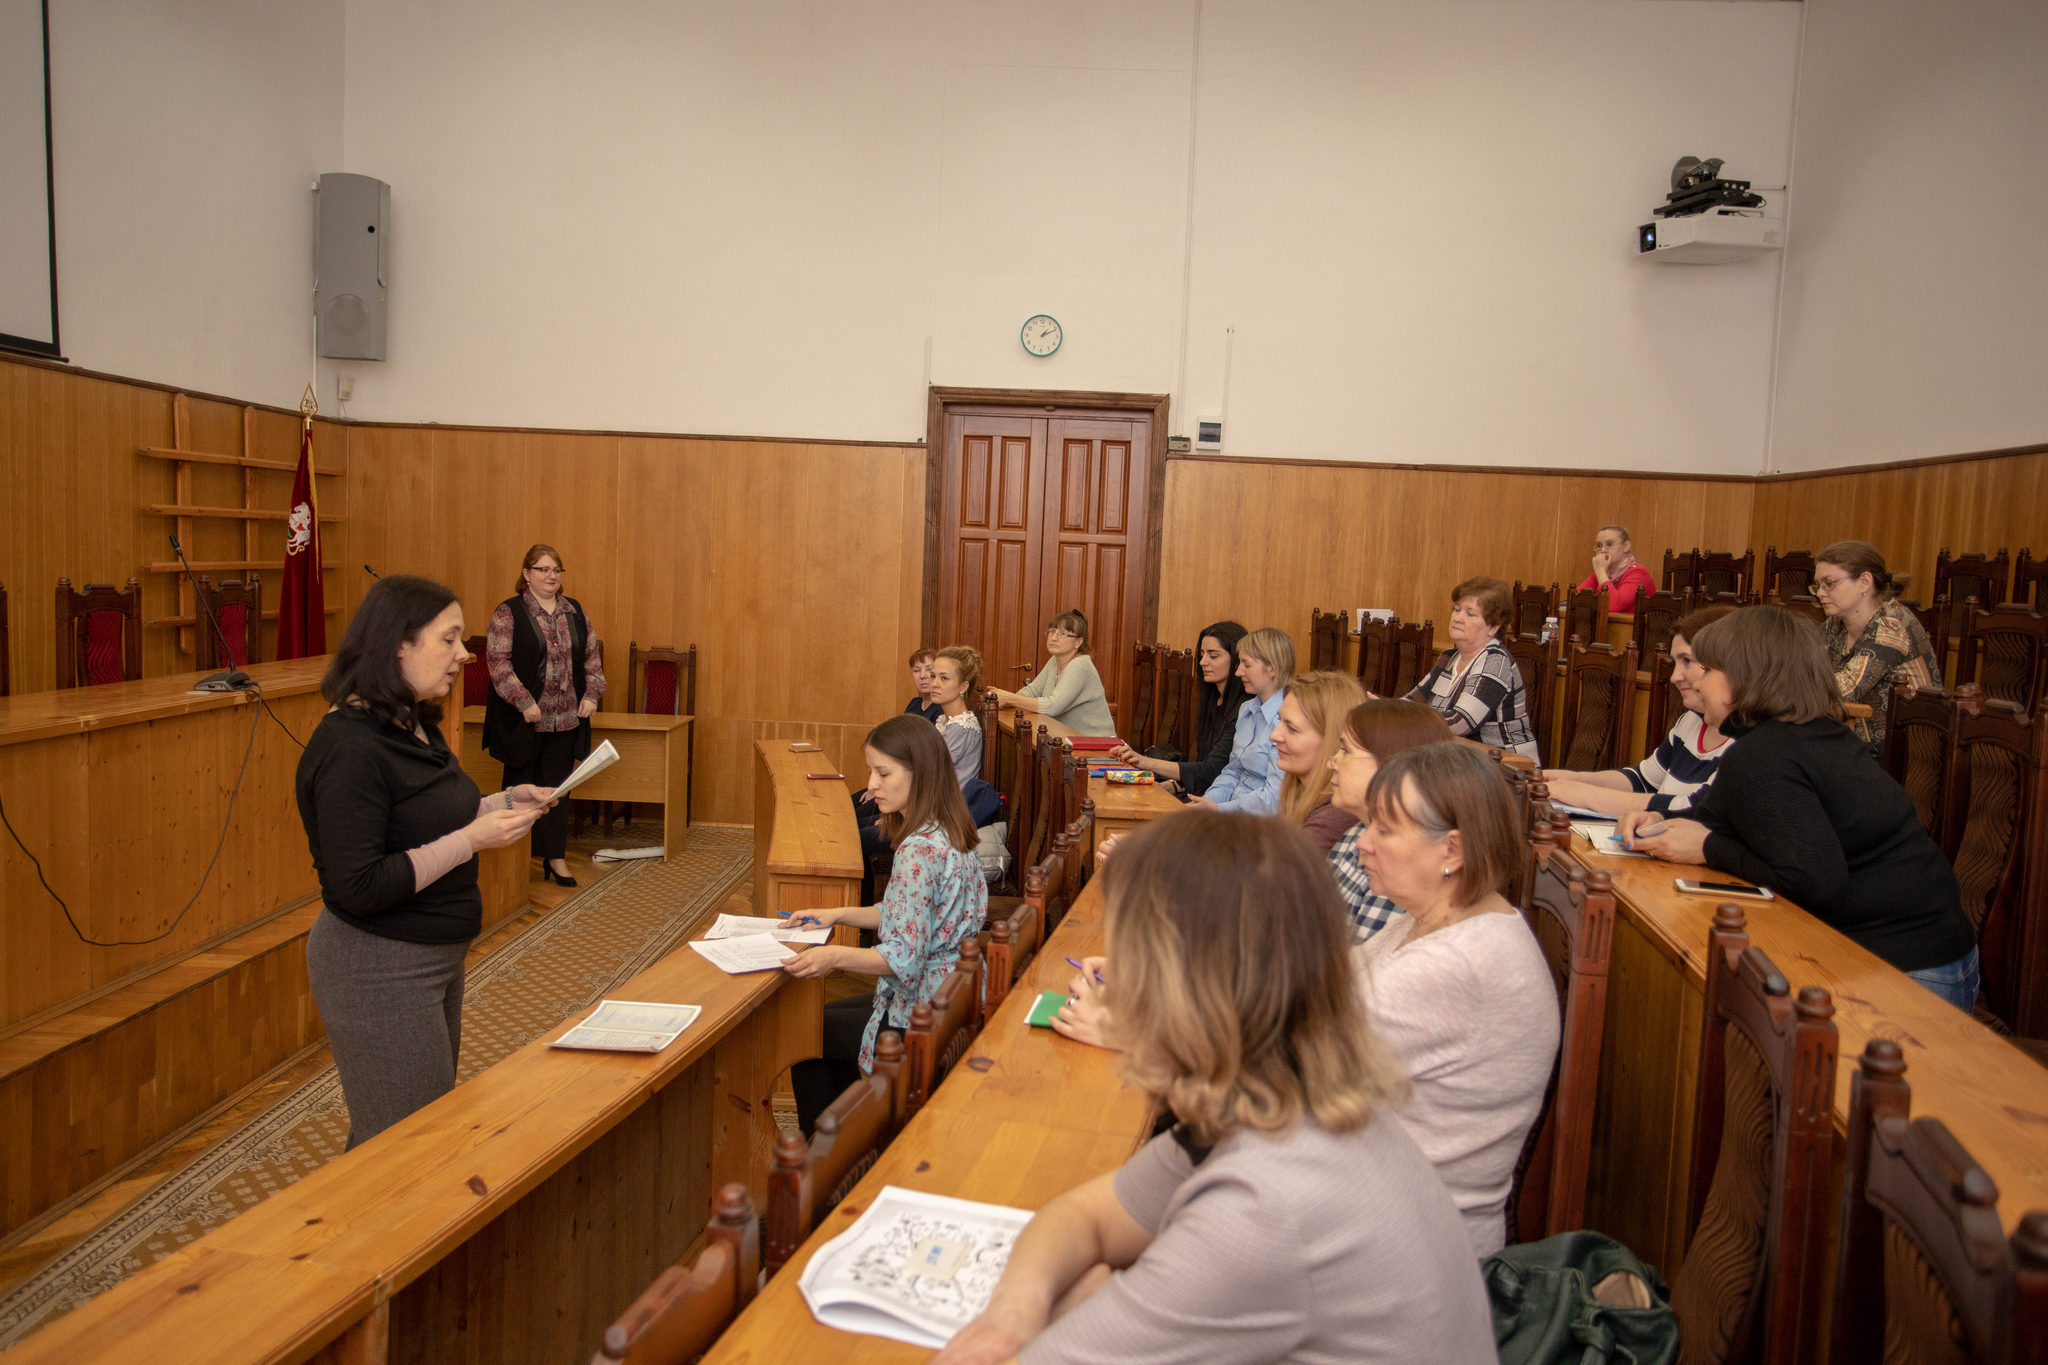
(36, 1244)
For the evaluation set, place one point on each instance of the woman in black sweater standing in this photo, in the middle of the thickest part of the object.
(547, 677)
(395, 826)
(1800, 806)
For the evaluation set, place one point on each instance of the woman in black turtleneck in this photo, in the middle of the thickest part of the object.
(1800, 806)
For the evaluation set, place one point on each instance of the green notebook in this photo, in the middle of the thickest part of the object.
(1044, 1008)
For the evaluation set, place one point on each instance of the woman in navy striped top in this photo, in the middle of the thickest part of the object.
(1683, 766)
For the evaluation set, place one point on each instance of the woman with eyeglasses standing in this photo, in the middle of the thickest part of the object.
(1067, 689)
(547, 676)
(1874, 643)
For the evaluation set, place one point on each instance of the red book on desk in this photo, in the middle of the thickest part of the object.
(1094, 744)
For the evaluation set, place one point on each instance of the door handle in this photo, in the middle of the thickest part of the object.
(1023, 668)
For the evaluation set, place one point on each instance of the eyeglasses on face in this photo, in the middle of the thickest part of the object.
(546, 571)
(1828, 584)
(1055, 631)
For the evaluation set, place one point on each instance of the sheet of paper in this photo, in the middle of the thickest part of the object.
(738, 956)
(620, 855)
(1604, 840)
(739, 926)
(602, 757)
(630, 1026)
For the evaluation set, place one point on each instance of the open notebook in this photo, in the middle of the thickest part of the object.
(915, 1267)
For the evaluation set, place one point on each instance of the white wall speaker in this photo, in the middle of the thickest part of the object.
(349, 236)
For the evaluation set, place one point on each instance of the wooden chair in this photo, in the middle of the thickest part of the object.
(1411, 653)
(1983, 577)
(1994, 829)
(1920, 733)
(1372, 653)
(1923, 1270)
(989, 709)
(1599, 700)
(2030, 581)
(1935, 621)
(5, 663)
(1022, 794)
(1762, 1136)
(661, 681)
(1725, 571)
(679, 1316)
(99, 634)
(476, 674)
(1664, 705)
(809, 1179)
(1014, 940)
(1571, 913)
(1325, 638)
(1790, 575)
(1681, 571)
(1141, 718)
(1179, 695)
(941, 1032)
(238, 606)
(1585, 616)
(1804, 606)
(1533, 606)
(1080, 863)
(2005, 652)
(1657, 617)
(1538, 663)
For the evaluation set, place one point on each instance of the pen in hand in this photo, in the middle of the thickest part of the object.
(803, 919)
(1097, 974)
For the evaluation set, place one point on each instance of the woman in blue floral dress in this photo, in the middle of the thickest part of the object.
(936, 899)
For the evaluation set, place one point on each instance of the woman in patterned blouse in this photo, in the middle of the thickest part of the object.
(935, 901)
(1873, 641)
(1476, 685)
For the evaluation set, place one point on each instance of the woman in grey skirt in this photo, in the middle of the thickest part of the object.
(395, 826)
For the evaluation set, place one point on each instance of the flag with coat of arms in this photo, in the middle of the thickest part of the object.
(302, 610)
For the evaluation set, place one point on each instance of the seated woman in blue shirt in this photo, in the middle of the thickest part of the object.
(1250, 782)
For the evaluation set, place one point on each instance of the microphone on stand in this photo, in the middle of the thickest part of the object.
(229, 679)
(371, 572)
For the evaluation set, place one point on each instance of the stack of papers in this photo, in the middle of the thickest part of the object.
(738, 956)
(740, 926)
(915, 1267)
(602, 757)
(629, 1026)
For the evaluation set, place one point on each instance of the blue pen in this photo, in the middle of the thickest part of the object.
(1079, 968)
(807, 919)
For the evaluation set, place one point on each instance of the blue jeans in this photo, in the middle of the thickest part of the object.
(1956, 983)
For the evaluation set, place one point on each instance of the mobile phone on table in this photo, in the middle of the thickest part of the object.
(1686, 886)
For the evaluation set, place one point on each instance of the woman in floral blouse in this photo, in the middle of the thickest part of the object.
(1874, 642)
(935, 901)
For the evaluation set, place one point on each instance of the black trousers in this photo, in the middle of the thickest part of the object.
(822, 1080)
(555, 760)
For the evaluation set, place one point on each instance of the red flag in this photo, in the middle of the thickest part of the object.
(302, 610)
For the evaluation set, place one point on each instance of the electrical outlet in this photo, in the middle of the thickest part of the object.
(345, 387)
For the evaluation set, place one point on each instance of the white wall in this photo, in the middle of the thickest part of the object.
(750, 219)
(1916, 300)
(186, 137)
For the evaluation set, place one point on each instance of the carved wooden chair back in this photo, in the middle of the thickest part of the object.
(1411, 653)
(1599, 701)
(2005, 652)
(1020, 758)
(1533, 605)
(679, 1316)
(1802, 606)
(662, 680)
(1013, 941)
(2030, 581)
(1981, 576)
(1657, 616)
(1141, 718)
(238, 606)
(1762, 1139)
(1538, 663)
(1994, 829)
(1373, 653)
(809, 1179)
(991, 706)
(99, 634)
(1725, 571)
(5, 663)
(1080, 860)
(1178, 698)
(1923, 1269)
(1681, 571)
(476, 674)
(1325, 637)
(1920, 733)
(1664, 705)
(1790, 575)
(1585, 616)
(941, 1031)
(1571, 912)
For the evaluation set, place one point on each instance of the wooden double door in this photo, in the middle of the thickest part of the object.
(1040, 514)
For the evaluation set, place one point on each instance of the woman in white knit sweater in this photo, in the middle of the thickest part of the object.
(1067, 689)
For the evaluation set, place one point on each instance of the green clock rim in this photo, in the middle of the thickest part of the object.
(1056, 345)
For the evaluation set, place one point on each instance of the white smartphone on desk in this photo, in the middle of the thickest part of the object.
(1686, 886)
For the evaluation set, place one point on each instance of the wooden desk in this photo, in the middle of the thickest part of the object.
(1026, 1116)
(509, 1221)
(1991, 1095)
(653, 766)
(1119, 806)
(806, 845)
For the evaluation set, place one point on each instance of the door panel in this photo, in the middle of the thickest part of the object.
(992, 480)
(1094, 532)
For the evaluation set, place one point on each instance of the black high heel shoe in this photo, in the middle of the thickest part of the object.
(548, 874)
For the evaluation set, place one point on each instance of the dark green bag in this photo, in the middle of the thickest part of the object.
(1558, 1300)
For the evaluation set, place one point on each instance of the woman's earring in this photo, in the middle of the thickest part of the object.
(1447, 870)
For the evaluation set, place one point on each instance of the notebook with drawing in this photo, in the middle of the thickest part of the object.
(915, 1267)
(630, 1026)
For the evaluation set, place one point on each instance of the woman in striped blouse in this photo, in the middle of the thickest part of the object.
(1476, 685)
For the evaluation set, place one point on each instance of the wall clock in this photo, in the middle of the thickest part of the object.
(1041, 335)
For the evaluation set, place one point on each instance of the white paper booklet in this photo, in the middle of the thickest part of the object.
(630, 1026)
(915, 1267)
(739, 926)
(620, 855)
(1605, 840)
(602, 757)
(738, 956)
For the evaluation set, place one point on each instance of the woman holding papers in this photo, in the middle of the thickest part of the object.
(1683, 766)
(547, 676)
(1288, 1215)
(395, 826)
(937, 899)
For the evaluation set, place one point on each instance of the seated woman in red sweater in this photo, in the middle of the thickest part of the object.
(1615, 570)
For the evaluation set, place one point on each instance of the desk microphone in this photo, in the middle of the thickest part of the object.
(371, 572)
(229, 679)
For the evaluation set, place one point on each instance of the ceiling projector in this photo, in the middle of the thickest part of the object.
(1710, 237)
